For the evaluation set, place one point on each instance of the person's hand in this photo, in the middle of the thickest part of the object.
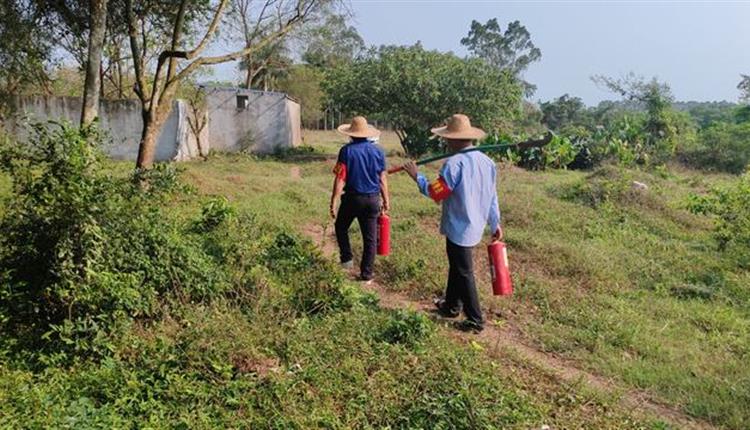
(332, 211)
(498, 234)
(411, 168)
(386, 206)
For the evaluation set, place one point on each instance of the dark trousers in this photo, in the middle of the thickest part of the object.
(365, 208)
(462, 290)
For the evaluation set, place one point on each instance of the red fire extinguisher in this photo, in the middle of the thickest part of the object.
(502, 284)
(384, 234)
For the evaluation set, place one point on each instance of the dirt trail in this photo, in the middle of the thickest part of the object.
(506, 335)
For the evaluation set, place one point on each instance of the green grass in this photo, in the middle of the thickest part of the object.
(288, 343)
(631, 287)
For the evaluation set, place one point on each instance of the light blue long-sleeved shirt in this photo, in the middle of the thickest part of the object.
(469, 197)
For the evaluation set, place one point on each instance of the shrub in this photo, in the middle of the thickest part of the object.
(81, 249)
(315, 286)
(609, 184)
(407, 328)
(731, 208)
(723, 146)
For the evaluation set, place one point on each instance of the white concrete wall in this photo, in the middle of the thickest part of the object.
(120, 119)
(269, 122)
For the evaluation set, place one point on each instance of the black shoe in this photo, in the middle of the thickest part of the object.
(470, 326)
(443, 310)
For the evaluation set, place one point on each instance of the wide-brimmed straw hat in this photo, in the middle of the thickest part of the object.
(358, 128)
(459, 127)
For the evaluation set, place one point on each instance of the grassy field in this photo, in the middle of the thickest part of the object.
(626, 283)
(619, 282)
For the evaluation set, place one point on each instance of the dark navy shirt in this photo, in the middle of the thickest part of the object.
(360, 164)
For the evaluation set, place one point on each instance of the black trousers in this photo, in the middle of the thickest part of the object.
(461, 289)
(365, 208)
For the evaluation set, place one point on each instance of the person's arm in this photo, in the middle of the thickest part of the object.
(384, 191)
(338, 188)
(494, 219)
(439, 189)
(339, 181)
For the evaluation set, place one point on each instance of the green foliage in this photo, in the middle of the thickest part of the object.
(723, 147)
(82, 249)
(744, 87)
(662, 128)
(316, 286)
(303, 83)
(415, 89)
(563, 111)
(407, 328)
(85, 253)
(730, 206)
(331, 43)
(558, 153)
(511, 50)
(605, 185)
(213, 213)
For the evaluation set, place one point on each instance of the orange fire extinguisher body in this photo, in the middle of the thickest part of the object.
(502, 285)
(384, 234)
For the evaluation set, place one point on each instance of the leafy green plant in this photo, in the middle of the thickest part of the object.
(407, 328)
(213, 213)
(81, 249)
(730, 206)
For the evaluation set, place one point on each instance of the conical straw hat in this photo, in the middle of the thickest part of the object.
(459, 127)
(358, 128)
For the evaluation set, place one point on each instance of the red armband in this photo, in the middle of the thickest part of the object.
(439, 189)
(340, 171)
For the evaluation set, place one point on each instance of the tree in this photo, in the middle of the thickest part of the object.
(332, 42)
(303, 83)
(91, 86)
(511, 50)
(26, 48)
(157, 91)
(415, 89)
(562, 111)
(653, 96)
(744, 87)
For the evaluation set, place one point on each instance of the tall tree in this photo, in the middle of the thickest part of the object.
(26, 48)
(744, 87)
(92, 84)
(510, 50)
(331, 42)
(175, 64)
(562, 111)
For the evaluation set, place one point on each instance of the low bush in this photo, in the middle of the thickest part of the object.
(721, 147)
(730, 206)
(84, 253)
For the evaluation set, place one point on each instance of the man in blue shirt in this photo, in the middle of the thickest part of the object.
(467, 190)
(359, 173)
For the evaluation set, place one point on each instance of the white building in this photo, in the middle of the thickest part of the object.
(238, 120)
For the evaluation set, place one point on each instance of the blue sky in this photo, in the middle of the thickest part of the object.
(699, 48)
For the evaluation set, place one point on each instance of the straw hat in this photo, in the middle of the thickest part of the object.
(459, 127)
(358, 128)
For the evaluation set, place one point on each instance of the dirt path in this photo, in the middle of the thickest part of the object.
(506, 335)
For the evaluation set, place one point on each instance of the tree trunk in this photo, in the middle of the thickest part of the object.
(97, 30)
(249, 77)
(152, 123)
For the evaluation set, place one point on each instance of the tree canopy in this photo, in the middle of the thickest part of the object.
(510, 50)
(332, 42)
(415, 89)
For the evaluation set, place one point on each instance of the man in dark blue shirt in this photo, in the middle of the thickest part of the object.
(359, 173)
